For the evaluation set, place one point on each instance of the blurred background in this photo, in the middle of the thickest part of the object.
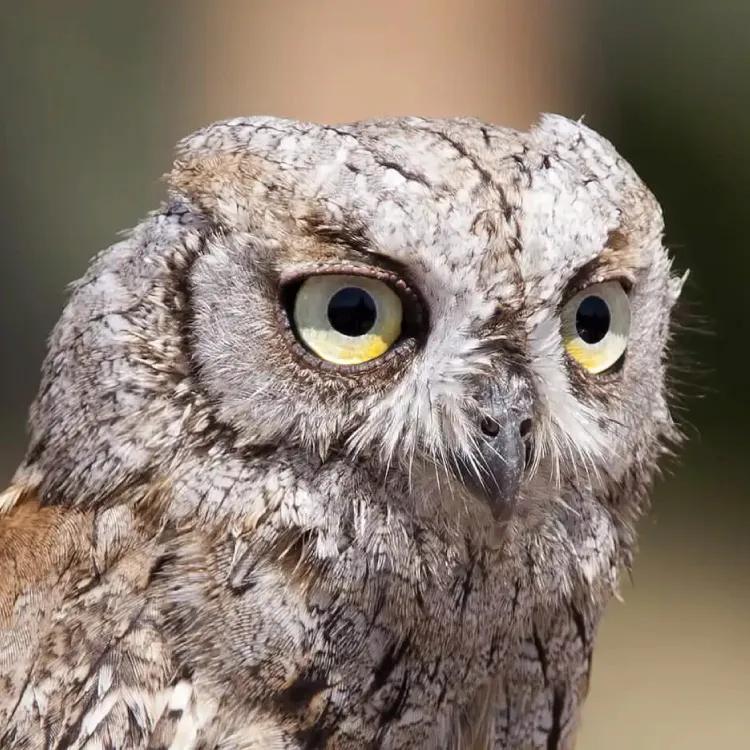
(93, 96)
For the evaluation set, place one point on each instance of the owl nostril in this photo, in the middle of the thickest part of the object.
(490, 427)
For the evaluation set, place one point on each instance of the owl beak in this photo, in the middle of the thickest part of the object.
(496, 472)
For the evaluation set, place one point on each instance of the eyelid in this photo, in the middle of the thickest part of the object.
(327, 268)
(625, 280)
(415, 317)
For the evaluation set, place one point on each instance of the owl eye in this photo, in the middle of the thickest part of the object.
(347, 320)
(596, 325)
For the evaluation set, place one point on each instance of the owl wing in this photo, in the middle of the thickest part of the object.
(83, 663)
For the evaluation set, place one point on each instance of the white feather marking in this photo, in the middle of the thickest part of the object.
(10, 497)
(104, 683)
(179, 700)
(574, 426)
(100, 712)
(186, 732)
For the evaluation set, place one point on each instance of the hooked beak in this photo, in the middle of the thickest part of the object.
(496, 472)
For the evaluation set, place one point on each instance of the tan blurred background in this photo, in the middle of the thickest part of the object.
(93, 96)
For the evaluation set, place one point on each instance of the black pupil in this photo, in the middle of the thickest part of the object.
(592, 319)
(352, 311)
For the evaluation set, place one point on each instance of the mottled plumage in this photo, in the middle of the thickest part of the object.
(219, 539)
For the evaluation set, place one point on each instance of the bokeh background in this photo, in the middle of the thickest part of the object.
(93, 96)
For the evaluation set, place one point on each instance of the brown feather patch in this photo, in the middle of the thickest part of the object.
(37, 543)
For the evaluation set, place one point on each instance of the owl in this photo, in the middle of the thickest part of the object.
(342, 447)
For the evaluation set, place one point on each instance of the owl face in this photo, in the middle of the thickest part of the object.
(434, 299)
(435, 320)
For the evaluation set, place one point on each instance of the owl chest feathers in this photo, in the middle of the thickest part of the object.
(118, 627)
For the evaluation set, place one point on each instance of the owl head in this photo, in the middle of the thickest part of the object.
(408, 324)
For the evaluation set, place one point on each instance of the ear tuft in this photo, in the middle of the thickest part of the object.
(221, 185)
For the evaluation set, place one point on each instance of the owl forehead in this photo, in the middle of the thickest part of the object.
(476, 213)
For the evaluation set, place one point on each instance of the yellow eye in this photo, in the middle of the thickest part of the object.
(596, 325)
(347, 320)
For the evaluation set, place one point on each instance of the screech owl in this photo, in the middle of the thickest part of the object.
(343, 447)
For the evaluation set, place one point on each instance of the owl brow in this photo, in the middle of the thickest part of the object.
(353, 237)
(617, 260)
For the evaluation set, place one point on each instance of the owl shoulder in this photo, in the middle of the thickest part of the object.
(82, 658)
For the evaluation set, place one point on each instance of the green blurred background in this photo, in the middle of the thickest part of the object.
(93, 96)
